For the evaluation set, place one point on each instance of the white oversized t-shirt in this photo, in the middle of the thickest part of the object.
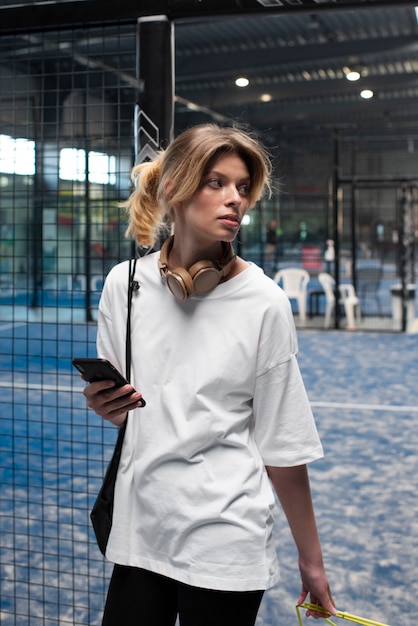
(224, 398)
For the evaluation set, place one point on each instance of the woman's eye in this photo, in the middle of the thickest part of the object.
(214, 182)
(217, 183)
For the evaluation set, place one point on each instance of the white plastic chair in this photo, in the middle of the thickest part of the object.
(348, 299)
(294, 282)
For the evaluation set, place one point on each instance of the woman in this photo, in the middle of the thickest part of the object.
(226, 416)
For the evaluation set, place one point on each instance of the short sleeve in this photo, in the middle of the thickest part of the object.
(111, 328)
(285, 429)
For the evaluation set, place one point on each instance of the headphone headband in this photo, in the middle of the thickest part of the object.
(200, 278)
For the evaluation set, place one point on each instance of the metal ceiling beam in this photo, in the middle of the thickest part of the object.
(41, 15)
(207, 66)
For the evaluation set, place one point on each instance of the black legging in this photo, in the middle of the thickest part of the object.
(137, 597)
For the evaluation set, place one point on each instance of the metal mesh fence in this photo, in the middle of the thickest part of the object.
(352, 196)
(66, 114)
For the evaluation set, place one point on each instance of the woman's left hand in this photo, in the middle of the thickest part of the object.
(315, 583)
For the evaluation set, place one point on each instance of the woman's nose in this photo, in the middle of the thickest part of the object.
(233, 195)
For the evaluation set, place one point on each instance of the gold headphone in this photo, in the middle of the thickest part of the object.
(200, 278)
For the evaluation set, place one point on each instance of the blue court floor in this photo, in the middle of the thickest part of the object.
(364, 392)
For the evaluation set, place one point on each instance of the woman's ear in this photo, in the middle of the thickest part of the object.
(169, 189)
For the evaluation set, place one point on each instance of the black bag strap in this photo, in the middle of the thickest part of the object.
(133, 285)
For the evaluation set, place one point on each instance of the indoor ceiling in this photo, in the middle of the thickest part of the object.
(296, 65)
(295, 56)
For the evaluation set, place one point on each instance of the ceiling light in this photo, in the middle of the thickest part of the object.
(366, 94)
(351, 74)
(266, 97)
(416, 13)
(242, 82)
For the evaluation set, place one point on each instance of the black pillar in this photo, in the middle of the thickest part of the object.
(407, 250)
(155, 69)
(154, 113)
(336, 209)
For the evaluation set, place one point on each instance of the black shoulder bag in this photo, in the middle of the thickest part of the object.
(102, 512)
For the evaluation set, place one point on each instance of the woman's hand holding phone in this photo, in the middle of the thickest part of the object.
(109, 394)
(111, 402)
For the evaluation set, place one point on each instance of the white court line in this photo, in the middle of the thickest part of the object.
(37, 387)
(317, 404)
(11, 325)
(364, 407)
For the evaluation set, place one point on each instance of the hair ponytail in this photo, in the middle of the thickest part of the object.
(145, 211)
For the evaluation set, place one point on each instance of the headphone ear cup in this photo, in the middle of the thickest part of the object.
(200, 279)
(205, 277)
(180, 283)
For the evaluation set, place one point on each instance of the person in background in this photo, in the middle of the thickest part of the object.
(227, 418)
(329, 256)
(272, 240)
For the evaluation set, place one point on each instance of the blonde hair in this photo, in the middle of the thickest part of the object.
(177, 173)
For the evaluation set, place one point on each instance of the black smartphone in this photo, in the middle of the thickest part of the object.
(95, 369)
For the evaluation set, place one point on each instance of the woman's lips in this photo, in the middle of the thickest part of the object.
(230, 220)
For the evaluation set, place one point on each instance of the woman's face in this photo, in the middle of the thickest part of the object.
(215, 211)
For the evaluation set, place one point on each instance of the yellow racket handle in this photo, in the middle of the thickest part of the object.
(341, 614)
